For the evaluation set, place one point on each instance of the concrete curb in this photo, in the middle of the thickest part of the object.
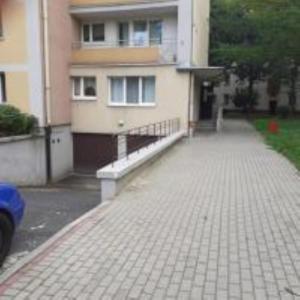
(47, 245)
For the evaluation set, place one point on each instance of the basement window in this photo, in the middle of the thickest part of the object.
(84, 88)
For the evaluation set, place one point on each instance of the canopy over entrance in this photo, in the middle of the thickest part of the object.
(205, 73)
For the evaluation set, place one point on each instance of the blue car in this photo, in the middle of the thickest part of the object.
(11, 213)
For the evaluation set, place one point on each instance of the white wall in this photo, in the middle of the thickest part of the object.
(35, 60)
(23, 161)
(184, 32)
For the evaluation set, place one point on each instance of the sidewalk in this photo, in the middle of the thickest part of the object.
(216, 218)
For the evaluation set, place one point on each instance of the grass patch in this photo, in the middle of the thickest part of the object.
(287, 141)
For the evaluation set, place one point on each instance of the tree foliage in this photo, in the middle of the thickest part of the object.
(260, 38)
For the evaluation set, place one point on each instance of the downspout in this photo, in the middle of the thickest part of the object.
(47, 87)
(189, 104)
(192, 32)
(191, 61)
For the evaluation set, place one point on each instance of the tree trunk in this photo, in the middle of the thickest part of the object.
(293, 90)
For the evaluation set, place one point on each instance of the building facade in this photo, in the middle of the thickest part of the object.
(90, 68)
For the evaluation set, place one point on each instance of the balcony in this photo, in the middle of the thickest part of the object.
(124, 52)
(118, 8)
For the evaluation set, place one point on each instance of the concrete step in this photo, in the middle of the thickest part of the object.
(206, 126)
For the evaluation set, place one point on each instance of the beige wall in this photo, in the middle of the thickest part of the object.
(116, 55)
(17, 89)
(13, 46)
(172, 92)
(60, 40)
(13, 54)
(201, 14)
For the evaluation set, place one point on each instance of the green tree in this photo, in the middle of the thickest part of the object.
(235, 44)
(262, 38)
(278, 24)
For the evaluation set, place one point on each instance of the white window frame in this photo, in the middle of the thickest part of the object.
(82, 96)
(124, 100)
(91, 41)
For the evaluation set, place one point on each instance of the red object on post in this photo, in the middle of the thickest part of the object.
(273, 127)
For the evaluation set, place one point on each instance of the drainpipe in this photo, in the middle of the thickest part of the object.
(47, 86)
(192, 31)
(191, 61)
(189, 104)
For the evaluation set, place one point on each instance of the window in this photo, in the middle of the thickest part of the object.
(140, 34)
(98, 32)
(2, 88)
(124, 34)
(155, 32)
(86, 33)
(132, 90)
(1, 24)
(93, 33)
(148, 89)
(84, 88)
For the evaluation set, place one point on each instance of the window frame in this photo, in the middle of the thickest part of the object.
(1, 27)
(3, 98)
(136, 43)
(91, 35)
(124, 101)
(82, 96)
(152, 42)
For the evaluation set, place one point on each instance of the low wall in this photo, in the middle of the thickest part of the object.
(114, 177)
(23, 160)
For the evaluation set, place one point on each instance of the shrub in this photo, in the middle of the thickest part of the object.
(283, 111)
(14, 122)
(244, 99)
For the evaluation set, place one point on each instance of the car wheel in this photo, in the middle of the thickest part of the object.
(6, 234)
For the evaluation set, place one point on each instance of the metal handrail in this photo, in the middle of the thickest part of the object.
(133, 140)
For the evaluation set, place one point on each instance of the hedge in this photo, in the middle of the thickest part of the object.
(14, 122)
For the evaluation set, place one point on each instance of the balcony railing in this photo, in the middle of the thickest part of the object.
(165, 50)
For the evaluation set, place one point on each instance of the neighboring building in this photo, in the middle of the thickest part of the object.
(225, 93)
(127, 63)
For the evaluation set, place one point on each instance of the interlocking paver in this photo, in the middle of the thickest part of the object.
(216, 218)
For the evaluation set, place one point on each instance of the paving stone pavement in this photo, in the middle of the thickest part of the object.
(217, 217)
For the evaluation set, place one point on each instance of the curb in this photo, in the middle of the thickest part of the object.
(23, 263)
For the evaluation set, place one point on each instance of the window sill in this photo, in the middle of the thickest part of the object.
(132, 105)
(84, 99)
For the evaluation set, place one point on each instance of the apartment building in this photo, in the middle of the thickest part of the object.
(134, 63)
(34, 66)
(90, 68)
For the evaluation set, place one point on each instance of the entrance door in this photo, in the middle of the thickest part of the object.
(206, 102)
